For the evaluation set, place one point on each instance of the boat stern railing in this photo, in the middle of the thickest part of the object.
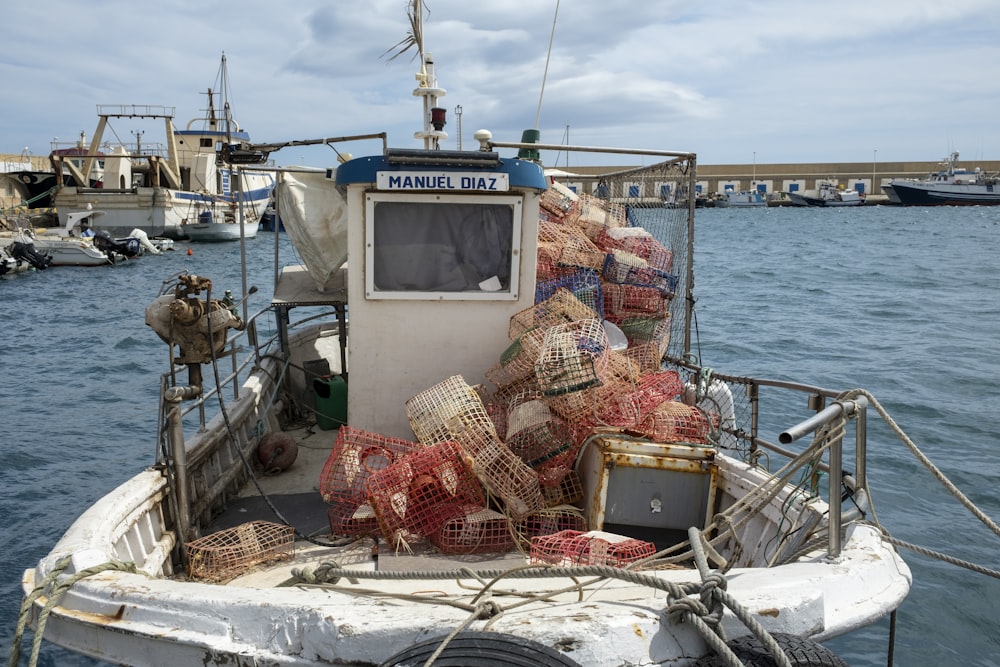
(754, 407)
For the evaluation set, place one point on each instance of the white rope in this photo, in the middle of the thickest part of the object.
(545, 75)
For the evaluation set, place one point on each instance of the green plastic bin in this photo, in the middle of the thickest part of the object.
(331, 401)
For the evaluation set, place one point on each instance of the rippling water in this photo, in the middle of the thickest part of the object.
(904, 302)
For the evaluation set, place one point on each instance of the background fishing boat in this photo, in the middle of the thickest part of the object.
(160, 188)
(828, 194)
(951, 186)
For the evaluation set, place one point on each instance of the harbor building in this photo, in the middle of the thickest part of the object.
(771, 179)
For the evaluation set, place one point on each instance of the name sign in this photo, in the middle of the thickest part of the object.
(442, 180)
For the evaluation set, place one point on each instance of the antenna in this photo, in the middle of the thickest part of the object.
(548, 56)
(533, 135)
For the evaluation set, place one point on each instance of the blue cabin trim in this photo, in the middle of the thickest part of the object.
(521, 173)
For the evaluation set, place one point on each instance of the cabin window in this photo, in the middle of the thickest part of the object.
(442, 247)
(206, 142)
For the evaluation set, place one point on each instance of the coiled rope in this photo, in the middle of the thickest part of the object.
(58, 590)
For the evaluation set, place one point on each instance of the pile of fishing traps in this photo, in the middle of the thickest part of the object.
(490, 471)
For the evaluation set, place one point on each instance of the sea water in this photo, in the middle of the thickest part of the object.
(904, 302)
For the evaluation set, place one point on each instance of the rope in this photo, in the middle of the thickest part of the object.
(56, 594)
(942, 556)
(714, 588)
(961, 497)
(704, 612)
(483, 610)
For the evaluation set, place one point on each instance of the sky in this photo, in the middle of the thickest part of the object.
(735, 81)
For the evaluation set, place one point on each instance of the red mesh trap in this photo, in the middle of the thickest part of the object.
(352, 519)
(422, 490)
(571, 547)
(547, 521)
(557, 200)
(636, 241)
(632, 404)
(624, 301)
(355, 456)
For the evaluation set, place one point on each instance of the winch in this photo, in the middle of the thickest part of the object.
(196, 326)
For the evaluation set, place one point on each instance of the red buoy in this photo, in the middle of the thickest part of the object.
(277, 452)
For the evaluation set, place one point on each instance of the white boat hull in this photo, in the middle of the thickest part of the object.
(158, 211)
(219, 231)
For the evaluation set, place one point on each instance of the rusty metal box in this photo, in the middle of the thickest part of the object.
(655, 486)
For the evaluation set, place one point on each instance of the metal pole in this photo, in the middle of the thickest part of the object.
(874, 163)
(836, 479)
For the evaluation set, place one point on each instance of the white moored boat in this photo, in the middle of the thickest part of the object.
(517, 459)
(827, 194)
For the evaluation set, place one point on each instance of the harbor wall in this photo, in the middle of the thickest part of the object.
(795, 177)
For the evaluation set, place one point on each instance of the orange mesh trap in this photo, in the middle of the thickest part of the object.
(232, 552)
(676, 422)
(561, 307)
(475, 530)
(572, 358)
(450, 410)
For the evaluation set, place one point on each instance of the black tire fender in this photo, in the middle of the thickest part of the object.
(482, 649)
(801, 652)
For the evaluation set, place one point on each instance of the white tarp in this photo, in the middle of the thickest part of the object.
(314, 213)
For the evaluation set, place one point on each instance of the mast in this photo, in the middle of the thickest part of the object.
(427, 87)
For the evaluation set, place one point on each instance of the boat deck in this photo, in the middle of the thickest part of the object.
(295, 495)
(293, 492)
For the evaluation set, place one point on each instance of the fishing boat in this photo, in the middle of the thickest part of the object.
(508, 455)
(160, 189)
(950, 186)
(11, 264)
(828, 194)
(69, 246)
(744, 199)
(207, 229)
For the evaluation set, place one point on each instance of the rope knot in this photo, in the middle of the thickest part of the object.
(711, 582)
(487, 609)
(681, 608)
